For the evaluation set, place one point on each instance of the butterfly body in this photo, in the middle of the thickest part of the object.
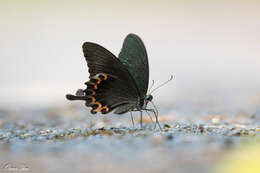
(118, 84)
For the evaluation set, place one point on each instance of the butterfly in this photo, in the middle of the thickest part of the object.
(117, 84)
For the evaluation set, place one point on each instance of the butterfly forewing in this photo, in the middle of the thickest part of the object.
(133, 56)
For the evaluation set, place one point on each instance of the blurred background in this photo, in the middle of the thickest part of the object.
(211, 48)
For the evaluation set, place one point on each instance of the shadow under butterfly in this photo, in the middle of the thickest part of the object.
(118, 84)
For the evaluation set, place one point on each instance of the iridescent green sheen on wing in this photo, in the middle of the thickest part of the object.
(133, 56)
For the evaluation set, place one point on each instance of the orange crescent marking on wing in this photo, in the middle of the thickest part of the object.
(106, 108)
(92, 83)
(93, 92)
(105, 76)
(97, 78)
(93, 100)
(90, 90)
(95, 87)
(99, 104)
(99, 108)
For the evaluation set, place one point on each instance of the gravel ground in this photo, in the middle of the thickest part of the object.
(68, 139)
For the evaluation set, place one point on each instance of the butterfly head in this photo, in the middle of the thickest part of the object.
(148, 98)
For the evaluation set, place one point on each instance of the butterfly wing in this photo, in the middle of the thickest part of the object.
(110, 85)
(133, 56)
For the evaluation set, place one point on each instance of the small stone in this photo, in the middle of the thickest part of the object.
(167, 126)
(251, 133)
(201, 129)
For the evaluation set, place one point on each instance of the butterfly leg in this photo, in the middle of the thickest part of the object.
(132, 118)
(147, 111)
(141, 120)
(156, 118)
(150, 117)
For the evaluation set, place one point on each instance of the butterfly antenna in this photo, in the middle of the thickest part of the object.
(156, 115)
(162, 84)
(151, 86)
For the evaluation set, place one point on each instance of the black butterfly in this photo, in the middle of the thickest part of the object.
(118, 84)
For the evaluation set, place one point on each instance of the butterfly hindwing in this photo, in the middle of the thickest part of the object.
(110, 85)
(133, 56)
